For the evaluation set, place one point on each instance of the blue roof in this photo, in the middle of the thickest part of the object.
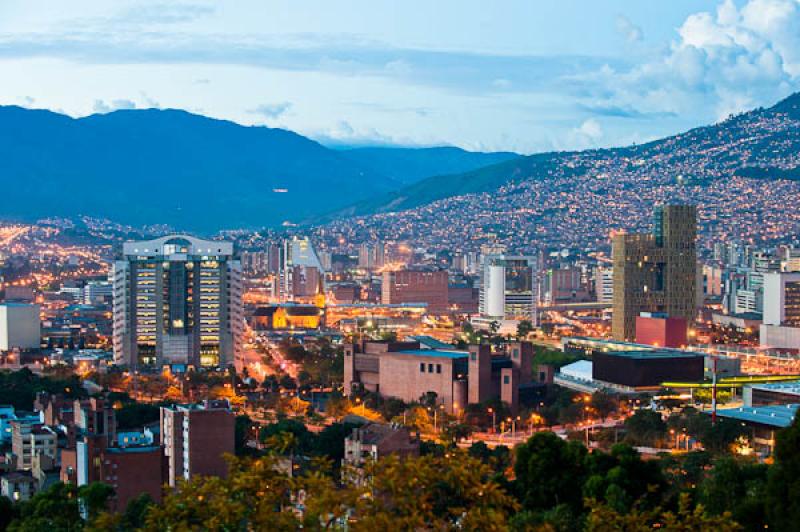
(436, 353)
(431, 342)
(780, 416)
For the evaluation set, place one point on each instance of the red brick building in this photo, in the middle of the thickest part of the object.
(416, 286)
(196, 438)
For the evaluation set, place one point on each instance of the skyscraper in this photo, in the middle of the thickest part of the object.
(301, 272)
(177, 302)
(509, 288)
(656, 272)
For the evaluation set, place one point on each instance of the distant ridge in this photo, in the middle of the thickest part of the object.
(153, 166)
(763, 143)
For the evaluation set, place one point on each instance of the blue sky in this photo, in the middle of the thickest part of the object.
(519, 75)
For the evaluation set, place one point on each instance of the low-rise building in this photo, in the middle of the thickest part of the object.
(17, 485)
(377, 440)
(30, 439)
(454, 377)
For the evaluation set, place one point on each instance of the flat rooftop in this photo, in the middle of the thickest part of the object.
(779, 416)
(435, 353)
(653, 354)
(791, 387)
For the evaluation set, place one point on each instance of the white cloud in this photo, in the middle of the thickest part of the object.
(720, 63)
(628, 29)
(271, 111)
(101, 106)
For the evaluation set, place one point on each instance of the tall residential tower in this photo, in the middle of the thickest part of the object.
(656, 272)
(177, 302)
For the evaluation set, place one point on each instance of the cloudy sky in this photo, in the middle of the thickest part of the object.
(519, 75)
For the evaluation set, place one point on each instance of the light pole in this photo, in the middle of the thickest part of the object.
(494, 419)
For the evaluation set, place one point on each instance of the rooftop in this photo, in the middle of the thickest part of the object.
(436, 353)
(780, 416)
(792, 387)
(652, 354)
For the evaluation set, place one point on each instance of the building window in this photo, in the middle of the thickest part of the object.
(430, 368)
(438, 368)
(422, 367)
(473, 356)
(515, 353)
(505, 379)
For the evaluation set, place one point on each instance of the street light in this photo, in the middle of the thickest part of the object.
(494, 419)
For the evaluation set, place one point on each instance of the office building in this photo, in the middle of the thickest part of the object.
(509, 288)
(20, 327)
(782, 299)
(455, 378)
(604, 284)
(371, 256)
(177, 302)
(97, 293)
(656, 272)
(416, 286)
(196, 438)
(565, 285)
(781, 317)
(301, 274)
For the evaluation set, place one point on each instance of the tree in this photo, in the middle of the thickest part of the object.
(53, 509)
(783, 502)
(242, 430)
(603, 518)
(433, 493)
(737, 487)
(524, 328)
(550, 472)
(645, 427)
(622, 479)
(604, 404)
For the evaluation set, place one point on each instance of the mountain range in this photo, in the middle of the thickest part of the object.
(193, 172)
(743, 173)
(201, 174)
(760, 143)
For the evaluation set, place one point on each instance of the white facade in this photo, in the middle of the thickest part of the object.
(605, 285)
(19, 326)
(177, 301)
(296, 251)
(775, 336)
(509, 288)
(781, 292)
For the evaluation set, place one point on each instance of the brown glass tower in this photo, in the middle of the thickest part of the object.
(656, 272)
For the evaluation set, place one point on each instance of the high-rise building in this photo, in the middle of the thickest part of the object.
(177, 302)
(19, 326)
(604, 284)
(509, 288)
(656, 272)
(371, 256)
(782, 299)
(299, 264)
(196, 438)
(416, 286)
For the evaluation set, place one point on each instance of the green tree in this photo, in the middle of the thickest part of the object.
(738, 487)
(622, 479)
(783, 488)
(524, 328)
(550, 472)
(645, 427)
(54, 509)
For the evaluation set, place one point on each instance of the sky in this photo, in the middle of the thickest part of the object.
(522, 75)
